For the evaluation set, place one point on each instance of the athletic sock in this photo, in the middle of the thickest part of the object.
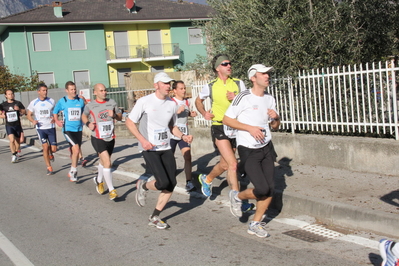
(207, 180)
(108, 178)
(73, 169)
(100, 168)
(156, 213)
(236, 197)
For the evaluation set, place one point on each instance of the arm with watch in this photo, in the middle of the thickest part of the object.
(176, 132)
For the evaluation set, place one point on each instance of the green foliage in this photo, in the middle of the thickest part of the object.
(303, 34)
(17, 82)
(201, 65)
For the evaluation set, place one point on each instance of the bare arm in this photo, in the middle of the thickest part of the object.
(30, 118)
(199, 103)
(134, 130)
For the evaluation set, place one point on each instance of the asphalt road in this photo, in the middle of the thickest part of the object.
(47, 220)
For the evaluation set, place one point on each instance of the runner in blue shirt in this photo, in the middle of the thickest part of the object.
(72, 108)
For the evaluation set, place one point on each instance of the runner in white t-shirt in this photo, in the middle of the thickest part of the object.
(40, 113)
(156, 114)
(251, 112)
(183, 112)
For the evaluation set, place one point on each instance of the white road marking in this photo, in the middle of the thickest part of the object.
(15, 255)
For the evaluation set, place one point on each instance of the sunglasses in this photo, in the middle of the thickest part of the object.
(225, 64)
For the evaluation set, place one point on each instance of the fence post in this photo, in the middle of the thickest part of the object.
(394, 99)
(291, 104)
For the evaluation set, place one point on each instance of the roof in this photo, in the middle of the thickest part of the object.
(111, 11)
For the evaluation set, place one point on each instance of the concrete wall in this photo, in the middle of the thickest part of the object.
(352, 153)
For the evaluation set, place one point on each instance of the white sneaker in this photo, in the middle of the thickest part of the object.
(235, 205)
(73, 176)
(258, 229)
(14, 159)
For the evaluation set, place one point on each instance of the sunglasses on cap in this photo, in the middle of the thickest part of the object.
(225, 64)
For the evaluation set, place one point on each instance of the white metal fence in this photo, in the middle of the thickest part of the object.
(358, 100)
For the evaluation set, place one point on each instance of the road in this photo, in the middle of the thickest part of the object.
(47, 220)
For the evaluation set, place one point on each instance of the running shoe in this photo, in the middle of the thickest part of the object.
(258, 229)
(389, 259)
(206, 188)
(113, 195)
(50, 170)
(73, 176)
(190, 186)
(246, 206)
(19, 153)
(51, 157)
(99, 186)
(235, 205)
(140, 192)
(83, 162)
(157, 222)
(14, 159)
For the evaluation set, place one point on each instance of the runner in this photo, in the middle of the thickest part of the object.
(42, 110)
(157, 116)
(98, 116)
(183, 112)
(72, 108)
(251, 112)
(222, 91)
(11, 110)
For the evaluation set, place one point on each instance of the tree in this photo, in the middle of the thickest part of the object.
(16, 82)
(294, 35)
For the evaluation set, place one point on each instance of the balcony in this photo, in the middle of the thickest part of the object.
(138, 53)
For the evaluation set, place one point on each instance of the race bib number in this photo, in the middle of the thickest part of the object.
(12, 116)
(74, 114)
(182, 128)
(230, 132)
(263, 141)
(44, 113)
(161, 138)
(105, 129)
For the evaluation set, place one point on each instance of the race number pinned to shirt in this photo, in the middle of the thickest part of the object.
(105, 129)
(74, 114)
(230, 132)
(161, 138)
(182, 128)
(44, 113)
(12, 116)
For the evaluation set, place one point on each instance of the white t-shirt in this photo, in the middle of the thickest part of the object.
(43, 112)
(182, 118)
(154, 116)
(250, 109)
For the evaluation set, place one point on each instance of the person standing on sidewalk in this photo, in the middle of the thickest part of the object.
(221, 91)
(72, 107)
(43, 120)
(251, 112)
(183, 112)
(98, 116)
(11, 110)
(157, 116)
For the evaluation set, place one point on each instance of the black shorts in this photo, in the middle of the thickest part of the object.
(258, 165)
(73, 138)
(100, 145)
(47, 135)
(217, 132)
(163, 165)
(14, 130)
(182, 144)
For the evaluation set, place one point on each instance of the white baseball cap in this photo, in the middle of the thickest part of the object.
(258, 68)
(162, 77)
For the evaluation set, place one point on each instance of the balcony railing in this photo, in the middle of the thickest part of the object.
(166, 51)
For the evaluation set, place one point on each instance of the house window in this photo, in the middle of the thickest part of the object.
(157, 69)
(195, 36)
(41, 41)
(81, 79)
(47, 78)
(77, 40)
